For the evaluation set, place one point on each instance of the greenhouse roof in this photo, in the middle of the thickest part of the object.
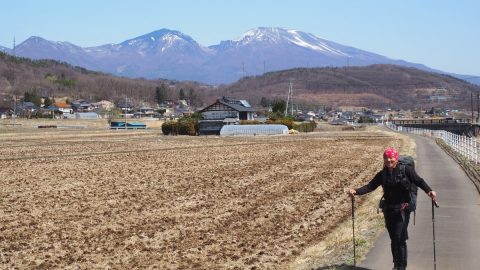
(232, 130)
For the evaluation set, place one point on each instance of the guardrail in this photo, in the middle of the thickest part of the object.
(468, 147)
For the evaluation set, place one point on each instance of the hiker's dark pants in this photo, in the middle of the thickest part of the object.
(396, 222)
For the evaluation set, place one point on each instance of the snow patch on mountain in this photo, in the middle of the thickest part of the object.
(317, 44)
(277, 36)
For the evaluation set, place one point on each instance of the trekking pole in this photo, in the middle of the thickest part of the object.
(434, 203)
(353, 228)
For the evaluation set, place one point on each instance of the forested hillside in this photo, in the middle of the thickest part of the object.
(376, 86)
(373, 86)
(54, 79)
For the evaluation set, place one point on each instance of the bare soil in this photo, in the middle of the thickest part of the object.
(141, 200)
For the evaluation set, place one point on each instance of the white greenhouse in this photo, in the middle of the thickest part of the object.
(245, 130)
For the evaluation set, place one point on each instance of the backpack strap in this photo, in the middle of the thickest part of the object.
(404, 175)
(402, 172)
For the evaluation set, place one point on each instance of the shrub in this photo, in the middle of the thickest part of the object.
(170, 128)
(283, 121)
(306, 126)
(186, 128)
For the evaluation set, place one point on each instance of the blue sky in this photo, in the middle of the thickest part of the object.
(442, 34)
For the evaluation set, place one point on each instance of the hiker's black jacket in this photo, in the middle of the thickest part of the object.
(395, 187)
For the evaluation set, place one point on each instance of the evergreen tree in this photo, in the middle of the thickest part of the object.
(160, 93)
(26, 97)
(264, 102)
(47, 102)
(32, 97)
(279, 106)
(191, 96)
(182, 95)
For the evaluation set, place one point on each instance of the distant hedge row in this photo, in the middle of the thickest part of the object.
(189, 125)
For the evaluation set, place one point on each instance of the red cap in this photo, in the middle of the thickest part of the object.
(390, 153)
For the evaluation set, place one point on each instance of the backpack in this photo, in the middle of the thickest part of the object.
(404, 161)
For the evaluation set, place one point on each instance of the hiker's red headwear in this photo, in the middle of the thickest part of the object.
(390, 153)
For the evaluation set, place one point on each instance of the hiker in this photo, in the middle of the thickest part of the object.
(396, 189)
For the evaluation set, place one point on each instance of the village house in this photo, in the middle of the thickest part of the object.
(61, 107)
(104, 105)
(144, 111)
(26, 109)
(82, 106)
(224, 111)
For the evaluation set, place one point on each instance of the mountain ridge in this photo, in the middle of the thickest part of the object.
(375, 86)
(171, 54)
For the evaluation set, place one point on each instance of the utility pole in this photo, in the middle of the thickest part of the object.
(13, 84)
(478, 106)
(14, 115)
(289, 97)
(471, 104)
(125, 112)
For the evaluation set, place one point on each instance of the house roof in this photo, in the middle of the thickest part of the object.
(5, 109)
(236, 104)
(61, 105)
(26, 105)
(237, 107)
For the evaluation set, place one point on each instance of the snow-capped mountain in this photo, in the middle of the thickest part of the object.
(5, 49)
(160, 54)
(173, 55)
(158, 42)
(39, 48)
(264, 36)
(270, 49)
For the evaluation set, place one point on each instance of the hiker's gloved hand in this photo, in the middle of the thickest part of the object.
(351, 193)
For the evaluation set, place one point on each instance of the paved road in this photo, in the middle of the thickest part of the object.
(457, 221)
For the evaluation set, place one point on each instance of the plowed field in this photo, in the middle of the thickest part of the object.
(140, 200)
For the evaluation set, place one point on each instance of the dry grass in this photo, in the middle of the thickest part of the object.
(101, 199)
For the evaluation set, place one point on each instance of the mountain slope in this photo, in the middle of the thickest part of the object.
(160, 54)
(270, 49)
(173, 55)
(375, 86)
(52, 78)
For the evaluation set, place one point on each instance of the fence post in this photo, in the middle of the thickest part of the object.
(476, 151)
(467, 147)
